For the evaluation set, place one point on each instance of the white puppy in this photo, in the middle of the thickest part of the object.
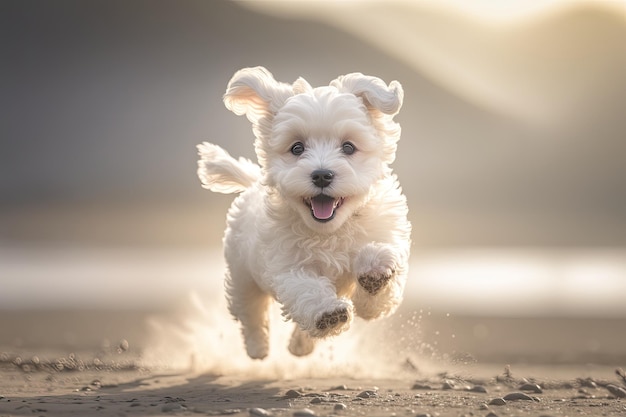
(321, 225)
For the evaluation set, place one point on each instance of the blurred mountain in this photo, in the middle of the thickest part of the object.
(104, 101)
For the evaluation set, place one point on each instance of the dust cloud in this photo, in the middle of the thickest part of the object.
(204, 338)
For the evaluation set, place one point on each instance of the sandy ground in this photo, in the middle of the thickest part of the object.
(84, 363)
(142, 393)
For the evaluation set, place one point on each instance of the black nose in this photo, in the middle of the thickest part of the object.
(322, 177)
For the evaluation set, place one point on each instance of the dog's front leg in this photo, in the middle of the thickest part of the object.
(380, 270)
(311, 301)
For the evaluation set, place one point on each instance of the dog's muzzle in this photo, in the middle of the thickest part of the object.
(323, 206)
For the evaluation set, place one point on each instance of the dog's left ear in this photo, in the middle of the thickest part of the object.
(376, 95)
(255, 93)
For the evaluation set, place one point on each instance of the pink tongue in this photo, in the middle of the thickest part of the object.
(322, 207)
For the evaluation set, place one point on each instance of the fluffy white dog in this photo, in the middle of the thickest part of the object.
(321, 225)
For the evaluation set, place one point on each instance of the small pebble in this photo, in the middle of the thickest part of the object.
(314, 394)
(261, 412)
(316, 400)
(421, 386)
(367, 394)
(588, 382)
(123, 346)
(483, 407)
(491, 414)
(169, 407)
(340, 407)
(531, 387)
(423, 415)
(497, 401)
(226, 412)
(478, 388)
(617, 392)
(305, 412)
(447, 385)
(514, 396)
(292, 393)
(339, 388)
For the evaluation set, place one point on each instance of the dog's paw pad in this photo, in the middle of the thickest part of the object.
(373, 283)
(332, 319)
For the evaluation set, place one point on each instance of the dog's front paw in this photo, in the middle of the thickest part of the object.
(373, 281)
(375, 267)
(332, 322)
(332, 319)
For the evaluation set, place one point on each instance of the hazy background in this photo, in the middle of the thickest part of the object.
(512, 155)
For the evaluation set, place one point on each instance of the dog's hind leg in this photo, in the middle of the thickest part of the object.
(250, 305)
(301, 344)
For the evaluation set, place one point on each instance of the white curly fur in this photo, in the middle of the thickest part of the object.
(322, 271)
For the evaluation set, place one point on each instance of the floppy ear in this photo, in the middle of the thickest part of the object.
(301, 86)
(255, 93)
(376, 95)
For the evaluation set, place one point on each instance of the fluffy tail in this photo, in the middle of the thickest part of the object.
(220, 172)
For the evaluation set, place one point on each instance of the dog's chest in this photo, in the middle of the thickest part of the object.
(328, 255)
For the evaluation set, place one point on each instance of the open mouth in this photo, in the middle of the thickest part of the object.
(323, 206)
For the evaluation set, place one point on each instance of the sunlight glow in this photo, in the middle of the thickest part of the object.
(523, 283)
(499, 55)
(500, 11)
(490, 281)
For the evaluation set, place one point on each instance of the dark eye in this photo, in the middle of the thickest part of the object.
(348, 148)
(297, 148)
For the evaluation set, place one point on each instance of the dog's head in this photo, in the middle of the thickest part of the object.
(321, 149)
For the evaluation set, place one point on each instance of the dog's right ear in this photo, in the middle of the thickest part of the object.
(376, 95)
(255, 93)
